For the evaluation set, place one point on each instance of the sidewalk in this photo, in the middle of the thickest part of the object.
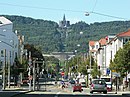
(13, 91)
(119, 92)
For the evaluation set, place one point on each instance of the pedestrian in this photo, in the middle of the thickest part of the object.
(62, 84)
(19, 81)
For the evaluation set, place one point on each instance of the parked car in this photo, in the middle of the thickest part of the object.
(83, 84)
(77, 87)
(109, 85)
(72, 81)
(25, 80)
(0, 79)
(98, 85)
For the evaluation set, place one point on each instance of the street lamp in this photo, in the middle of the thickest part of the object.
(87, 13)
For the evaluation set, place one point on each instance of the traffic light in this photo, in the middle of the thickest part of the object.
(76, 67)
(86, 66)
(98, 67)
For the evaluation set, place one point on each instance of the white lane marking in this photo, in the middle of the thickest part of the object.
(57, 94)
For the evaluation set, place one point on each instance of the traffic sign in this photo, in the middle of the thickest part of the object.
(108, 71)
(116, 74)
(62, 73)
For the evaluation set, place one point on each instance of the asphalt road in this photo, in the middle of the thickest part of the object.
(66, 95)
(55, 91)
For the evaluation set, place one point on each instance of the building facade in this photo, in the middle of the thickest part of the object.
(107, 49)
(8, 42)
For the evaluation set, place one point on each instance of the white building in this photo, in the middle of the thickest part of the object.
(108, 48)
(8, 42)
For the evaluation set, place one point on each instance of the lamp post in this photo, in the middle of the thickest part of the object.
(9, 69)
(29, 73)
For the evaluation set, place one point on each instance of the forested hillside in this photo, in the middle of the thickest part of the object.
(47, 36)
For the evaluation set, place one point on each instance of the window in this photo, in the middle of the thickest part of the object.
(2, 53)
(96, 46)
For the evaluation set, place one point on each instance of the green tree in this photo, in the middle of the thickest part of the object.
(95, 71)
(122, 59)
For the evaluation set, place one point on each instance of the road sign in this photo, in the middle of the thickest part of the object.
(108, 71)
(62, 73)
(113, 70)
(116, 74)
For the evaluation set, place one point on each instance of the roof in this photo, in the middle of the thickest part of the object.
(93, 50)
(91, 43)
(103, 41)
(124, 34)
(4, 20)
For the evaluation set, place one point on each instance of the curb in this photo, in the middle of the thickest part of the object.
(126, 94)
(20, 93)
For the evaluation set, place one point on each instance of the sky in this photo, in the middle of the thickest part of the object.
(74, 10)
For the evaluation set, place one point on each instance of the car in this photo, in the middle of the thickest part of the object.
(72, 81)
(109, 85)
(83, 84)
(25, 80)
(98, 85)
(77, 87)
(108, 82)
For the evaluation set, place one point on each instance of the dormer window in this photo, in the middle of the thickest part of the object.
(2, 53)
(126, 40)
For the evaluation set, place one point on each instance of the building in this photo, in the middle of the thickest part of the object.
(64, 23)
(104, 50)
(8, 42)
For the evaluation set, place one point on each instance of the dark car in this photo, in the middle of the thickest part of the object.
(98, 85)
(72, 81)
(77, 87)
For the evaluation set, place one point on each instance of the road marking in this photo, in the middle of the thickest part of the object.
(57, 94)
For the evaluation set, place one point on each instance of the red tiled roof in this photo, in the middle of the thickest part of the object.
(91, 43)
(123, 34)
(103, 41)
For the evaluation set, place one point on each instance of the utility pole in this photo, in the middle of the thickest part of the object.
(34, 76)
(38, 86)
(90, 60)
(29, 73)
(4, 67)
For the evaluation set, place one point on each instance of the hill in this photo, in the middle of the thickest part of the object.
(48, 37)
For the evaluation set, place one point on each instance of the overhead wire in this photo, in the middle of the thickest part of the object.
(40, 7)
(104, 14)
(94, 5)
(43, 8)
(108, 15)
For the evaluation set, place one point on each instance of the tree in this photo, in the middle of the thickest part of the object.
(95, 71)
(35, 54)
(122, 59)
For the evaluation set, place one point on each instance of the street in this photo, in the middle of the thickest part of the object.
(56, 91)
